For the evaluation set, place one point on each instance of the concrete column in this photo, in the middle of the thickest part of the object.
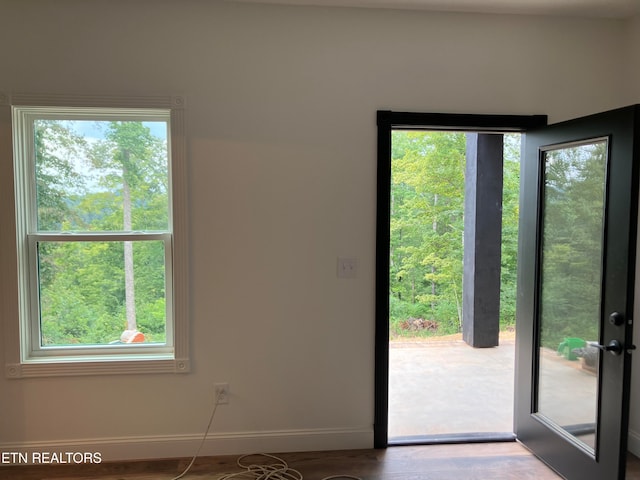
(482, 240)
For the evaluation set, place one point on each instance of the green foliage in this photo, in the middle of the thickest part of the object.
(427, 207)
(80, 189)
(56, 148)
(572, 243)
(510, 218)
(427, 224)
(130, 157)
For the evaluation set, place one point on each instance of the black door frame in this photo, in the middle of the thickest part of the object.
(388, 121)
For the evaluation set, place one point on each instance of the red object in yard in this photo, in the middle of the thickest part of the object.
(132, 336)
(137, 337)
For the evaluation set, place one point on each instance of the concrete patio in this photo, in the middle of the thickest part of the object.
(442, 387)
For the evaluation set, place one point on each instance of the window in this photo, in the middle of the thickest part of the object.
(98, 187)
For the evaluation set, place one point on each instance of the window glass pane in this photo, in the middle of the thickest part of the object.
(90, 296)
(570, 286)
(101, 175)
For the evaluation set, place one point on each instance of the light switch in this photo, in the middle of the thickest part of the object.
(347, 267)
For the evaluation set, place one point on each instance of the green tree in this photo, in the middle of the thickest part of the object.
(85, 182)
(58, 148)
(572, 243)
(426, 228)
(133, 158)
(510, 219)
(427, 195)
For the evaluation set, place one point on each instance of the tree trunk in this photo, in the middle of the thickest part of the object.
(434, 226)
(129, 289)
(413, 290)
(391, 213)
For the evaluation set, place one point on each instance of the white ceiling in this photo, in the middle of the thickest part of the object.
(576, 8)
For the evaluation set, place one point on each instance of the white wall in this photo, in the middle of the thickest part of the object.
(281, 106)
(633, 59)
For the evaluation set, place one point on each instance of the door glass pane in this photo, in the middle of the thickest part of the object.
(570, 288)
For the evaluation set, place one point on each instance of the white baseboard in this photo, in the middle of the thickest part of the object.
(173, 446)
(634, 443)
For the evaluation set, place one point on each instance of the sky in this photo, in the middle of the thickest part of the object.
(95, 129)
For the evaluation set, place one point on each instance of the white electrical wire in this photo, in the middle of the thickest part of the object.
(271, 471)
(204, 437)
(279, 470)
(266, 471)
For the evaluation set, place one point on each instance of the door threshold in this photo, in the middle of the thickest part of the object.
(452, 438)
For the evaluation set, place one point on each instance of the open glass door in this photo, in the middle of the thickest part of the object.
(577, 264)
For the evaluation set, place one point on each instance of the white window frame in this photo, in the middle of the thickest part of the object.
(24, 356)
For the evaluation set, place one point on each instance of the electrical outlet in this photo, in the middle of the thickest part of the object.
(221, 391)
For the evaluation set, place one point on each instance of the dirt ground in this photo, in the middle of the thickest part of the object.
(506, 335)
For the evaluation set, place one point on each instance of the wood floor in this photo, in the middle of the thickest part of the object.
(483, 461)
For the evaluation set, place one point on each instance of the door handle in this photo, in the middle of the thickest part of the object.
(614, 347)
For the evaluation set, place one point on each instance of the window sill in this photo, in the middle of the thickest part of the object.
(60, 367)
